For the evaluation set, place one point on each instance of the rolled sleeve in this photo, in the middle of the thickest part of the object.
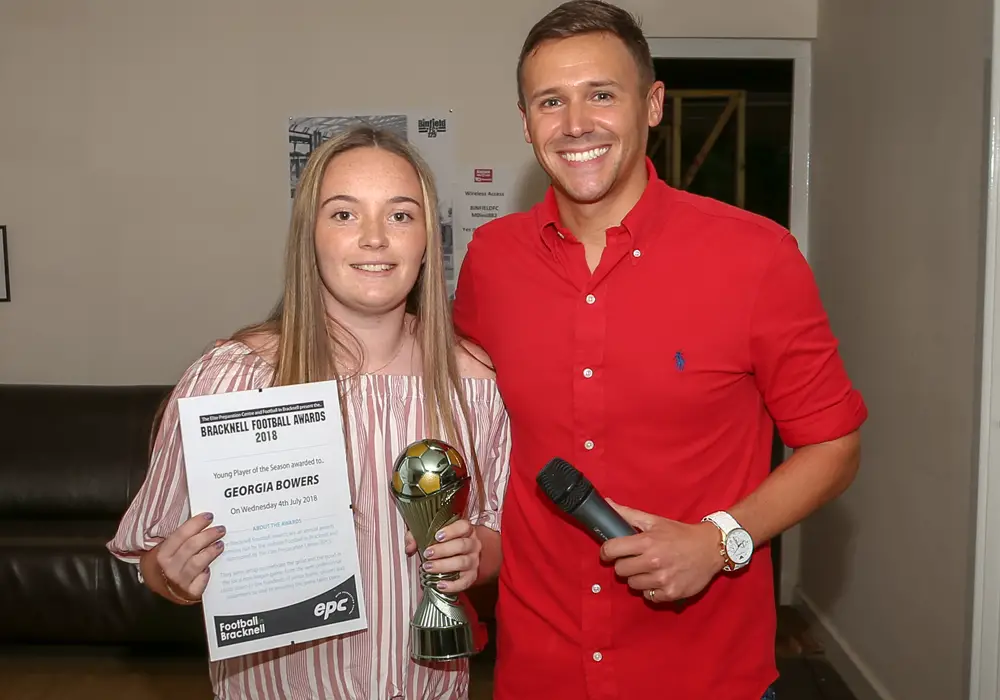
(795, 356)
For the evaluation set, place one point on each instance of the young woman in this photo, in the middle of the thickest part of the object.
(364, 302)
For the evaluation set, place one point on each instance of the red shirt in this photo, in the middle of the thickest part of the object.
(660, 376)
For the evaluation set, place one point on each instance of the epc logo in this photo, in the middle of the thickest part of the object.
(341, 605)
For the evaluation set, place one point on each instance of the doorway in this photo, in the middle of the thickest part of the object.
(732, 120)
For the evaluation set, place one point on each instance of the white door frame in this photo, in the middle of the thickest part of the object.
(800, 52)
(985, 648)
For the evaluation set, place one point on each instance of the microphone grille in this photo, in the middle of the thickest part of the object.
(564, 484)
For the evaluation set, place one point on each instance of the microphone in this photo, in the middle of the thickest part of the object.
(573, 493)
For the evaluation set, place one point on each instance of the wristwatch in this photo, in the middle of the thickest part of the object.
(737, 544)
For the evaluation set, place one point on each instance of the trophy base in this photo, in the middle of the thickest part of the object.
(441, 643)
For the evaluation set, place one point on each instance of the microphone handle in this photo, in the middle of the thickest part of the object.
(603, 521)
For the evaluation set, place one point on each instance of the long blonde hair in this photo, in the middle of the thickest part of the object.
(309, 341)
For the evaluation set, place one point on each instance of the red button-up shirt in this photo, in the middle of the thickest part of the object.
(660, 376)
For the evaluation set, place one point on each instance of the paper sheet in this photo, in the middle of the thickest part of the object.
(485, 193)
(271, 465)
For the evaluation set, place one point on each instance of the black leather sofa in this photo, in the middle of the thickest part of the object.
(71, 460)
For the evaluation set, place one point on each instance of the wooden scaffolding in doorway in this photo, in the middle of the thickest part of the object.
(665, 139)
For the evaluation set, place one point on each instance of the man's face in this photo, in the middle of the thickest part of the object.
(586, 113)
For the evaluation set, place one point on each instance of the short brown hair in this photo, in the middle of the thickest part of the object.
(578, 17)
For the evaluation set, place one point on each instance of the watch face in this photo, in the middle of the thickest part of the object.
(739, 546)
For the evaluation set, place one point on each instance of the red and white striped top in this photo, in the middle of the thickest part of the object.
(385, 413)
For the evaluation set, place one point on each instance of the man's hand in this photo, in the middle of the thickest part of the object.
(456, 551)
(666, 560)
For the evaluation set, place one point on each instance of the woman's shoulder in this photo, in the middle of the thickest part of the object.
(472, 361)
(263, 345)
(253, 352)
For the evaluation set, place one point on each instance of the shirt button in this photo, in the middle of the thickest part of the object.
(589, 444)
(636, 253)
(598, 656)
(596, 588)
(591, 298)
(588, 373)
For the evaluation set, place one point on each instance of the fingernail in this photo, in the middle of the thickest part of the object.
(442, 586)
(208, 516)
(428, 553)
(221, 529)
(428, 566)
(219, 544)
(439, 536)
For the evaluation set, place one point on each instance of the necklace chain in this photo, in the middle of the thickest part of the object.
(399, 349)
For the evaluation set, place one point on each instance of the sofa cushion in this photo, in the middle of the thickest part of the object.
(62, 587)
(73, 452)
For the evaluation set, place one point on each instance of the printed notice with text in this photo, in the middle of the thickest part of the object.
(271, 464)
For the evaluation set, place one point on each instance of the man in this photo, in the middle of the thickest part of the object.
(653, 339)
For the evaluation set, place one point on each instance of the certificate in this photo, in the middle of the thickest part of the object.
(271, 465)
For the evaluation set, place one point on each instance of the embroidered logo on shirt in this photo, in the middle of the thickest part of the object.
(679, 361)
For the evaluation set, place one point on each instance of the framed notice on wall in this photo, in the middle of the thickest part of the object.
(4, 266)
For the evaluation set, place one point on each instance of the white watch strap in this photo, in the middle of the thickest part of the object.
(724, 521)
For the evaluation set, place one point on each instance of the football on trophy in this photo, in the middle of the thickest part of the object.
(426, 467)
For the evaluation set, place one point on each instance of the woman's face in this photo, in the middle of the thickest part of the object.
(370, 232)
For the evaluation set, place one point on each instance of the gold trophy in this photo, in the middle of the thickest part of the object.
(430, 484)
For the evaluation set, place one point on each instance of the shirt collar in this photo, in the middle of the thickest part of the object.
(638, 223)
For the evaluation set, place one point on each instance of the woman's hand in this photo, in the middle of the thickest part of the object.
(184, 557)
(456, 551)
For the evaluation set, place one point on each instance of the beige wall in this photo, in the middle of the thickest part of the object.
(897, 201)
(143, 151)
